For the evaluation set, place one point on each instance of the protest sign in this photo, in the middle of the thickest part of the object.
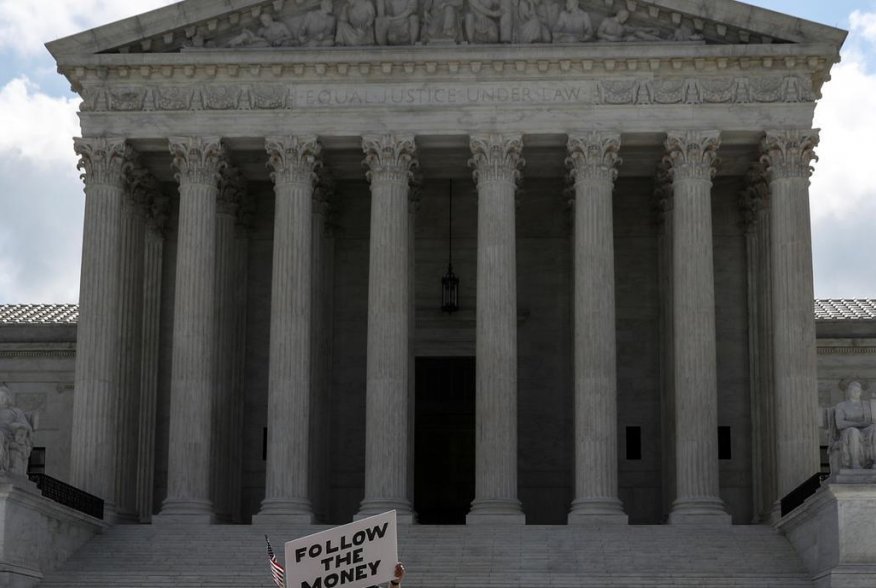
(358, 555)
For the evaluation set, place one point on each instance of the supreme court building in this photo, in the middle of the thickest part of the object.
(275, 190)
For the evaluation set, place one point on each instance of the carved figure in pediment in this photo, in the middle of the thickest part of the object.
(397, 22)
(573, 25)
(318, 26)
(443, 21)
(685, 33)
(615, 29)
(483, 20)
(356, 23)
(533, 28)
(271, 34)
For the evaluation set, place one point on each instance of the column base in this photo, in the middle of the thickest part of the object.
(699, 511)
(288, 512)
(597, 511)
(370, 507)
(495, 511)
(187, 512)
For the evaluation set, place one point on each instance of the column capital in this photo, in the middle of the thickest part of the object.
(158, 213)
(390, 157)
(662, 192)
(789, 153)
(293, 158)
(232, 191)
(103, 160)
(593, 155)
(197, 160)
(693, 154)
(496, 157)
(755, 196)
(141, 185)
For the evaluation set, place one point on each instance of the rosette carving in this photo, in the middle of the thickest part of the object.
(294, 159)
(496, 157)
(103, 160)
(789, 153)
(390, 157)
(197, 160)
(693, 154)
(593, 155)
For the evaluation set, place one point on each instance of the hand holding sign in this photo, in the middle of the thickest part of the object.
(357, 555)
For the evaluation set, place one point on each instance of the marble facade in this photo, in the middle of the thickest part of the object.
(275, 294)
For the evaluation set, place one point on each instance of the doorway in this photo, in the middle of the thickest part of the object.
(444, 470)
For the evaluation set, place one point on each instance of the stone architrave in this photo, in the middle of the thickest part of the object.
(593, 159)
(787, 155)
(198, 162)
(496, 160)
(294, 161)
(693, 159)
(92, 461)
(390, 160)
(133, 231)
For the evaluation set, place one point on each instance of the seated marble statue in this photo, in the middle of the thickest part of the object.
(573, 25)
(854, 436)
(16, 430)
(318, 26)
(270, 34)
(356, 23)
(397, 22)
(615, 29)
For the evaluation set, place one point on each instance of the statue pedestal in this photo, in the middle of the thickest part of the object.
(834, 532)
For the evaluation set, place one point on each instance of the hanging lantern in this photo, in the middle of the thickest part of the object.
(450, 283)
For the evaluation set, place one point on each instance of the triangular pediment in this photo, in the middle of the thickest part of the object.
(273, 24)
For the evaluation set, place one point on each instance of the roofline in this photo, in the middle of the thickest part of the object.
(187, 12)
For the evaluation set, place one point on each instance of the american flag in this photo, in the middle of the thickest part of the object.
(277, 570)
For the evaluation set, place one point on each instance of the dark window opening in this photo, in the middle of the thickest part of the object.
(634, 443)
(264, 444)
(725, 444)
(37, 462)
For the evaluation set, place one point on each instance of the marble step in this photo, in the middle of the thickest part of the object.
(454, 557)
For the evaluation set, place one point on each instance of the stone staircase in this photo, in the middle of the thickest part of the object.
(453, 557)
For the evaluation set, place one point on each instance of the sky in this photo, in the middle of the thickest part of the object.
(42, 202)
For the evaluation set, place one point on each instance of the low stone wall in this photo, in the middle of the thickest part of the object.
(36, 534)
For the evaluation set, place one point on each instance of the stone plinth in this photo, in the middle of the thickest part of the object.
(834, 533)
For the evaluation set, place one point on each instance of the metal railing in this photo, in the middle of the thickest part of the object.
(68, 495)
(798, 495)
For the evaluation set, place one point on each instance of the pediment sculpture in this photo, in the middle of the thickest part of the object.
(353, 23)
(16, 435)
(851, 428)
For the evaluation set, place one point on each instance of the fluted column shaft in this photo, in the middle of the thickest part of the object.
(133, 231)
(153, 255)
(92, 460)
(787, 155)
(496, 160)
(390, 160)
(293, 160)
(592, 159)
(198, 162)
(693, 158)
(231, 191)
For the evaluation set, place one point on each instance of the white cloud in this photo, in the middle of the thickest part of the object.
(864, 24)
(40, 196)
(25, 25)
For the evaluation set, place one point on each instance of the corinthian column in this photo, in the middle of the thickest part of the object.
(92, 460)
(133, 230)
(496, 161)
(787, 156)
(390, 160)
(198, 163)
(294, 161)
(692, 156)
(593, 158)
